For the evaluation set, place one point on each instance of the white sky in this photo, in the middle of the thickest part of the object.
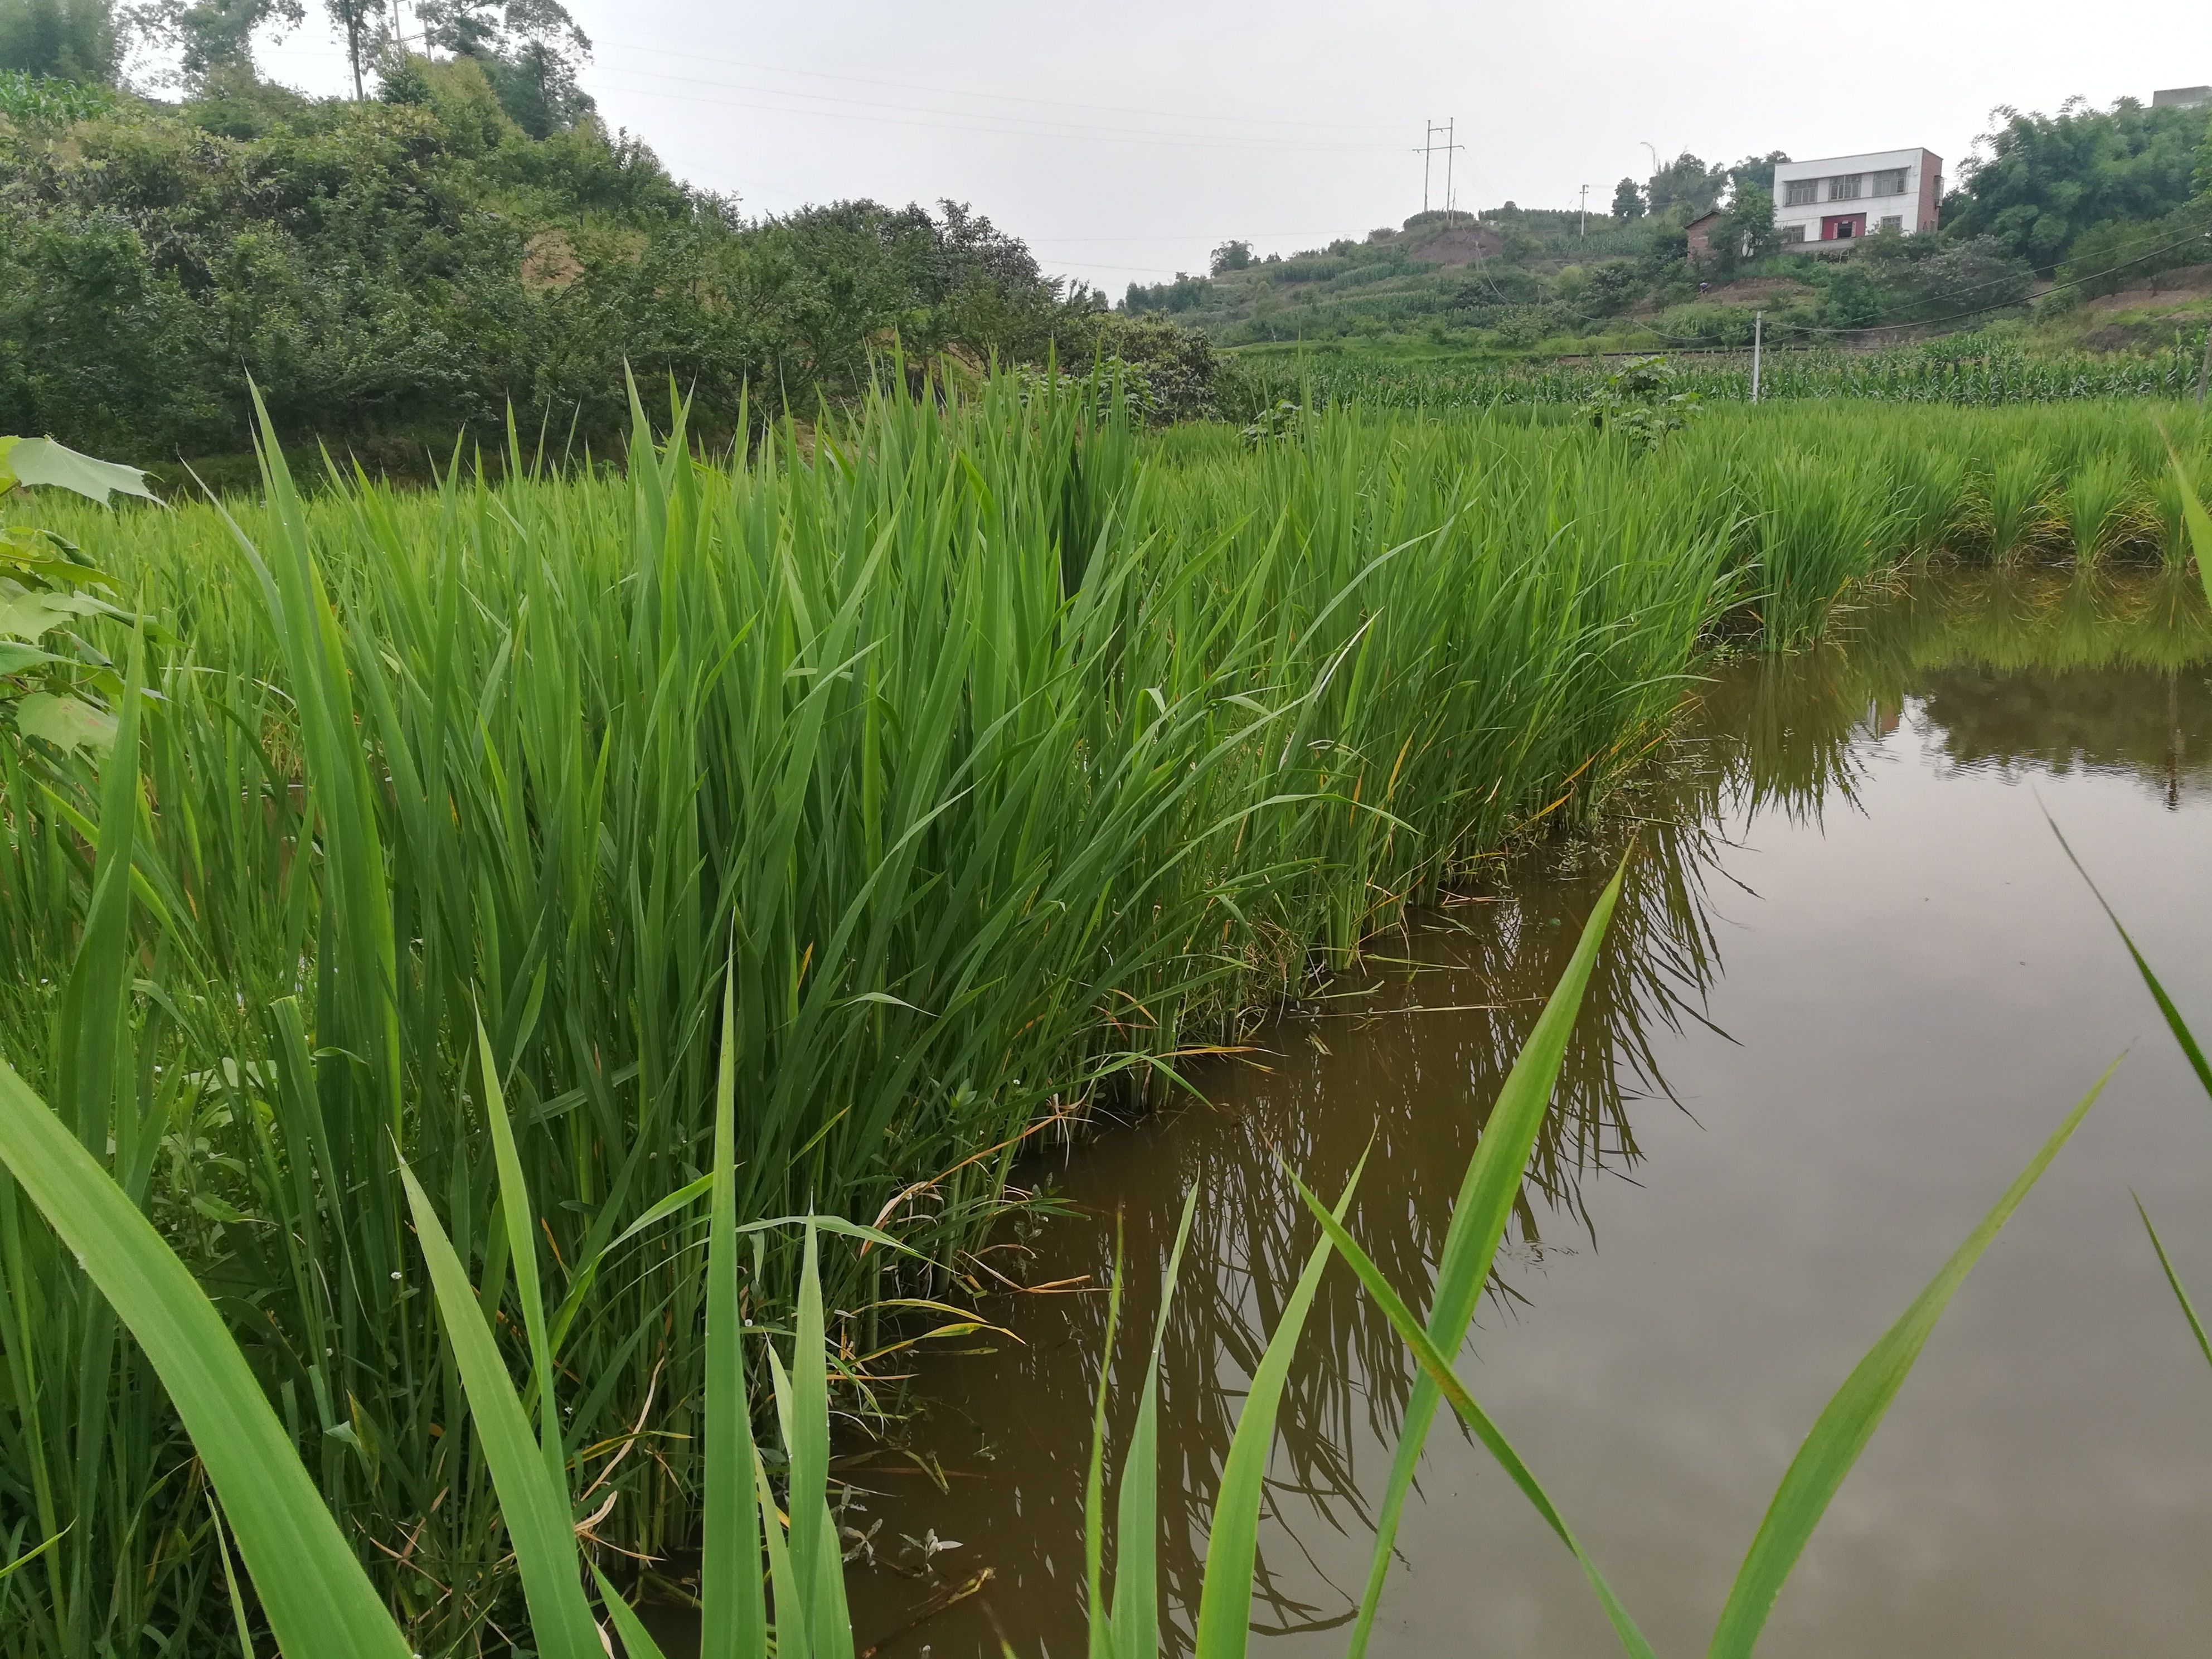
(1123, 140)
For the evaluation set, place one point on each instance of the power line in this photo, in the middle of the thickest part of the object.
(999, 97)
(1077, 131)
(2056, 288)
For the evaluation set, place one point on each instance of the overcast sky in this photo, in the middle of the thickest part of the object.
(1122, 141)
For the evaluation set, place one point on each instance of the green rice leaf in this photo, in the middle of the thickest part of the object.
(532, 1504)
(2173, 1278)
(319, 1601)
(1136, 1622)
(1232, 1542)
(734, 1623)
(517, 1210)
(1486, 1199)
(1842, 1429)
(636, 1640)
(1098, 1620)
(2193, 513)
(1439, 1370)
(2175, 1022)
(94, 1019)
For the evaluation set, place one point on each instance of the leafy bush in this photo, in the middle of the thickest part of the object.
(1924, 279)
(2121, 254)
(418, 266)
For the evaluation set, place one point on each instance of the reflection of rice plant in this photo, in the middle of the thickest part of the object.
(2101, 505)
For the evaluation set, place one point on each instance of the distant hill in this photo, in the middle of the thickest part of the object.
(2067, 207)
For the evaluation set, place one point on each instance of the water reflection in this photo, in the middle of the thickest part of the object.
(2030, 673)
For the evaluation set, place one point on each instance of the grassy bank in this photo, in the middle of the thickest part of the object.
(989, 756)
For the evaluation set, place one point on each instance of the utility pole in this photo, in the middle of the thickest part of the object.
(1758, 339)
(1427, 152)
(1450, 150)
(1585, 213)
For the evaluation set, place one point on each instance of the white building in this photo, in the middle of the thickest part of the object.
(2182, 98)
(1844, 197)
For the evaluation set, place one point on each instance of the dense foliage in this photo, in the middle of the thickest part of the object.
(2047, 178)
(411, 266)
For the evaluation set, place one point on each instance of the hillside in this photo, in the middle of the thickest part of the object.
(2062, 210)
(389, 272)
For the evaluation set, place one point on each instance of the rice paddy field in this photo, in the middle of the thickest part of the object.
(918, 787)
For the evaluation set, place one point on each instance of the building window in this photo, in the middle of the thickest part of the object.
(1891, 183)
(1893, 221)
(1844, 186)
(1800, 192)
(1793, 233)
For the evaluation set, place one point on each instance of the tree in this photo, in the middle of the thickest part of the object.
(1755, 172)
(1685, 181)
(530, 51)
(1230, 256)
(68, 39)
(361, 23)
(214, 39)
(1746, 231)
(1627, 200)
(2047, 178)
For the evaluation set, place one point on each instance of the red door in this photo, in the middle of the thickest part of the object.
(1836, 227)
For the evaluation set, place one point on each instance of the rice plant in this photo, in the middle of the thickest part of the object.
(2099, 506)
(998, 754)
(2014, 513)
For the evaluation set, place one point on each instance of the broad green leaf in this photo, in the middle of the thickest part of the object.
(34, 615)
(1436, 1369)
(15, 656)
(67, 722)
(538, 1522)
(1487, 1195)
(1232, 1542)
(1849, 1421)
(43, 461)
(319, 1601)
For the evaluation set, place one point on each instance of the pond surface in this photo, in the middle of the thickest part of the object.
(1852, 987)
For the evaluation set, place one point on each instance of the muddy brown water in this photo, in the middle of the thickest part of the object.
(1853, 985)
